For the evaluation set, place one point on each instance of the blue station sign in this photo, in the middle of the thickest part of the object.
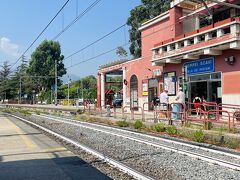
(200, 66)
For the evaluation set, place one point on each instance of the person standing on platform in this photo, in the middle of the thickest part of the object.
(204, 102)
(176, 107)
(164, 97)
(180, 96)
(197, 103)
(164, 100)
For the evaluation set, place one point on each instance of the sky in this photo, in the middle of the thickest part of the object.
(23, 20)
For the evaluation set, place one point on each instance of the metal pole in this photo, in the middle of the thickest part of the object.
(20, 90)
(51, 96)
(68, 90)
(55, 101)
(82, 88)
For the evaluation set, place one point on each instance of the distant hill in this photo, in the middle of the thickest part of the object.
(73, 77)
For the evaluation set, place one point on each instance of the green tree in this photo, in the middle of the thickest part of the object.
(42, 65)
(121, 52)
(147, 10)
(87, 86)
(5, 72)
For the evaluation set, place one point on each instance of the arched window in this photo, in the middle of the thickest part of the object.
(134, 92)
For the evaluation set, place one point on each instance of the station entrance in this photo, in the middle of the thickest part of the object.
(208, 86)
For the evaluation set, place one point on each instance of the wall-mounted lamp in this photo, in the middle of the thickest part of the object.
(230, 60)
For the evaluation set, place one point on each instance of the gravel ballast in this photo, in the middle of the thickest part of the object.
(156, 162)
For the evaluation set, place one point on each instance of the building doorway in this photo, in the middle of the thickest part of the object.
(152, 92)
(198, 89)
(208, 86)
(134, 92)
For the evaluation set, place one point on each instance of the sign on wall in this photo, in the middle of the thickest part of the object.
(144, 89)
(200, 66)
(170, 83)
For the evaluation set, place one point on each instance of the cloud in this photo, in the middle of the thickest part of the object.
(9, 48)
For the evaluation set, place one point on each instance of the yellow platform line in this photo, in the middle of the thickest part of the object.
(55, 149)
(29, 143)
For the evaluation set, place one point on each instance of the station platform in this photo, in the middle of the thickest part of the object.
(26, 153)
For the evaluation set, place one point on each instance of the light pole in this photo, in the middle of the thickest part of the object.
(55, 101)
(69, 80)
(82, 88)
(20, 90)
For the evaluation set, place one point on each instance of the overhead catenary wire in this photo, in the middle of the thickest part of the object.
(94, 42)
(77, 18)
(111, 50)
(40, 34)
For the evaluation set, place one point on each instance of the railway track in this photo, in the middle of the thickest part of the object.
(203, 157)
(122, 167)
(141, 139)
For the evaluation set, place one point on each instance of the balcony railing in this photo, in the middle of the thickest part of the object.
(207, 36)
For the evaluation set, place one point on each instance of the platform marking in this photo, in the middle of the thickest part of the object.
(29, 143)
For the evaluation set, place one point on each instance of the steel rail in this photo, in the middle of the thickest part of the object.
(159, 145)
(150, 136)
(126, 169)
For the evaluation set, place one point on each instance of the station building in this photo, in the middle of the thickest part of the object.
(183, 47)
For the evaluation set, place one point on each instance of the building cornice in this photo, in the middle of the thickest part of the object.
(155, 20)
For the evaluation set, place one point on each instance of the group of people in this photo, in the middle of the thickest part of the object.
(180, 99)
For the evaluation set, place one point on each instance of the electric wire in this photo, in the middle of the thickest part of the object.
(77, 18)
(40, 34)
(113, 49)
(94, 42)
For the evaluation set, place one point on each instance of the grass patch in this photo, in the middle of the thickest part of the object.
(160, 127)
(122, 123)
(198, 136)
(171, 129)
(24, 112)
(138, 124)
(232, 143)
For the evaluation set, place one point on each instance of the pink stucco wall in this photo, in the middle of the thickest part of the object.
(152, 35)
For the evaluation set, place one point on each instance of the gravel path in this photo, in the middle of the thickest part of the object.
(159, 163)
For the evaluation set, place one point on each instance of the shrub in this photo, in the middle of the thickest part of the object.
(160, 127)
(138, 124)
(122, 123)
(82, 117)
(209, 125)
(171, 130)
(24, 112)
(232, 143)
(198, 136)
(80, 111)
(37, 112)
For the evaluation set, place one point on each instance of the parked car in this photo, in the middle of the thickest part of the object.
(117, 102)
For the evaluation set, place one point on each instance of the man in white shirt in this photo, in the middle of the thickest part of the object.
(164, 97)
(164, 100)
(180, 96)
(176, 108)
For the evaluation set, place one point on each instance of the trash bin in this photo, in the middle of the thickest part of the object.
(108, 110)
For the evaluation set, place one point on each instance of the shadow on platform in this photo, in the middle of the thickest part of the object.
(49, 169)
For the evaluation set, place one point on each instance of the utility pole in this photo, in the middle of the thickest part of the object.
(55, 101)
(69, 80)
(20, 79)
(82, 88)
(20, 90)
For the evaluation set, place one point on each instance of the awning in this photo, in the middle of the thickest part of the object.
(109, 91)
